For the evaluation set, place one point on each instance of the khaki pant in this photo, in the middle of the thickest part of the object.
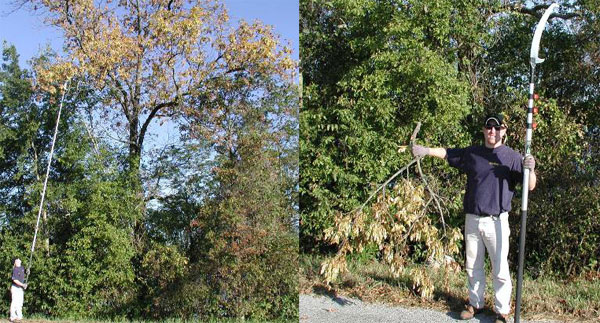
(489, 233)
(16, 304)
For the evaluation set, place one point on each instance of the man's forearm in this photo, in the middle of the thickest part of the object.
(437, 152)
(532, 180)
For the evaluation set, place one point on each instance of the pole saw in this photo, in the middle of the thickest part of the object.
(533, 60)
(37, 224)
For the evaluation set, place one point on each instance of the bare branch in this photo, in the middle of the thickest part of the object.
(433, 195)
(93, 139)
(18, 5)
(412, 138)
(127, 142)
(151, 116)
(237, 69)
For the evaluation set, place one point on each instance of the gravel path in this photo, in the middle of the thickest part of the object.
(315, 308)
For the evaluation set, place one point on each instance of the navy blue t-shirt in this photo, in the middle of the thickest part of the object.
(18, 274)
(492, 175)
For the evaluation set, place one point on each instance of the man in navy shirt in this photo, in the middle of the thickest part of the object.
(16, 291)
(493, 171)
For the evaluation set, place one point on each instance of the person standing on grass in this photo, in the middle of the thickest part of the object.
(17, 291)
(493, 171)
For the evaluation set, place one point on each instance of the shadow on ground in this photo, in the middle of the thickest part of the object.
(324, 290)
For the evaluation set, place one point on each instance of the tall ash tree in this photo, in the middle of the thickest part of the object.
(153, 60)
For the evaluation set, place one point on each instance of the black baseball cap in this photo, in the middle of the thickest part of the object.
(498, 118)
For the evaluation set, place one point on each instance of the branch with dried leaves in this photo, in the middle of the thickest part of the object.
(395, 224)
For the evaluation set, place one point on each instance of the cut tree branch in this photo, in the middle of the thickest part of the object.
(436, 199)
(412, 138)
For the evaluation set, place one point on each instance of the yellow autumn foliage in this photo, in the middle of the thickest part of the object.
(160, 56)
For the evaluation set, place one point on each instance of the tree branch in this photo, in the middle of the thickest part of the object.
(123, 102)
(151, 116)
(412, 138)
(127, 142)
(538, 12)
(237, 69)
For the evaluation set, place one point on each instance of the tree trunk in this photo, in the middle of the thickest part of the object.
(135, 181)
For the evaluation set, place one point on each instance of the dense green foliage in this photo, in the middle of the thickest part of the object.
(214, 237)
(369, 75)
(373, 69)
(82, 231)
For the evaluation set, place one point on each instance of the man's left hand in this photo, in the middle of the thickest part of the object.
(529, 163)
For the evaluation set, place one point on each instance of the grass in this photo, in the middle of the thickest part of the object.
(574, 299)
(41, 319)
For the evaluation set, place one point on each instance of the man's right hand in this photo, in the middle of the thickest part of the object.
(419, 151)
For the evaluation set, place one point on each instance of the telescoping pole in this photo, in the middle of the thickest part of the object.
(534, 59)
(37, 224)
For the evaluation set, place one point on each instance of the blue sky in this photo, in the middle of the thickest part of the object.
(28, 33)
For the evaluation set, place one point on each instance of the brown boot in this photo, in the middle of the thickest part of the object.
(469, 312)
(501, 318)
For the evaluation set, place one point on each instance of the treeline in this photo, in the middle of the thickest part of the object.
(206, 227)
(373, 69)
